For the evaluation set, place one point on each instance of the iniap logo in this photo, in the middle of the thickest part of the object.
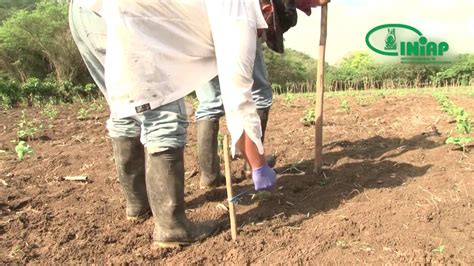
(406, 42)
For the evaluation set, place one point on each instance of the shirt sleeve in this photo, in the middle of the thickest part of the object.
(234, 26)
(94, 5)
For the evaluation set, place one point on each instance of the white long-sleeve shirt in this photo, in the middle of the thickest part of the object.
(158, 51)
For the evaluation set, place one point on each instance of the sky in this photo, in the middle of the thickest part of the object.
(350, 20)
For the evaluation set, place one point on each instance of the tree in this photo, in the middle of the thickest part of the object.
(37, 43)
(460, 72)
(290, 67)
(357, 68)
(8, 6)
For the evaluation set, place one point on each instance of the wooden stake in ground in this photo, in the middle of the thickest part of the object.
(318, 145)
(230, 195)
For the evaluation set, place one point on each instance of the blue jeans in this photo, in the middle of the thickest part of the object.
(159, 129)
(209, 96)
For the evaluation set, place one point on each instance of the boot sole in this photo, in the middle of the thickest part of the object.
(210, 186)
(140, 218)
(177, 244)
(218, 183)
(170, 244)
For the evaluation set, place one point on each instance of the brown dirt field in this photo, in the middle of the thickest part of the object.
(392, 192)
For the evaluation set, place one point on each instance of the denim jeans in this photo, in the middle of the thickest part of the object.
(209, 96)
(159, 129)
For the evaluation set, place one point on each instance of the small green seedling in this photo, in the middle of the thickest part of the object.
(342, 244)
(362, 101)
(83, 114)
(367, 100)
(50, 112)
(262, 195)
(289, 98)
(323, 183)
(27, 129)
(344, 107)
(97, 107)
(381, 93)
(22, 149)
(460, 141)
(309, 117)
(463, 123)
(439, 249)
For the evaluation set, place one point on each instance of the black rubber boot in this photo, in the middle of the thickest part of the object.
(130, 163)
(165, 185)
(207, 132)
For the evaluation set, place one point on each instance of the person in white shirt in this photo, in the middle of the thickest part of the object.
(157, 52)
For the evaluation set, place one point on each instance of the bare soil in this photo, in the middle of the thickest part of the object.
(392, 192)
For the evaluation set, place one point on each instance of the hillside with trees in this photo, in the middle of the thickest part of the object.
(36, 47)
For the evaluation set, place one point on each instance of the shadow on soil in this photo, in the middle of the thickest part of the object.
(369, 166)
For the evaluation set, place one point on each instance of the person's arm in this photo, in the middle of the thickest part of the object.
(235, 38)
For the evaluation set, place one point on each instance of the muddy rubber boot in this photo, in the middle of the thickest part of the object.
(207, 132)
(269, 158)
(129, 157)
(165, 185)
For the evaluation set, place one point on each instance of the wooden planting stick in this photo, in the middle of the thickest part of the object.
(230, 195)
(318, 142)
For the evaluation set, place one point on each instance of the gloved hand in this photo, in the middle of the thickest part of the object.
(264, 178)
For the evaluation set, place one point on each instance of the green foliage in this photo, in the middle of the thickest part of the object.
(359, 71)
(37, 43)
(292, 66)
(461, 71)
(97, 106)
(22, 149)
(296, 72)
(460, 141)
(342, 244)
(8, 6)
(463, 123)
(27, 129)
(262, 195)
(83, 113)
(289, 98)
(38, 91)
(344, 107)
(10, 93)
(366, 100)
(34, 90)
(439, 249)
(51, 112)
(309, 117)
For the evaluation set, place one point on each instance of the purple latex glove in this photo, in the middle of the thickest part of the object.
(264, 178)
